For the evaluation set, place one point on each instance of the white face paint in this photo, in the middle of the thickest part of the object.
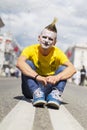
(47, 39)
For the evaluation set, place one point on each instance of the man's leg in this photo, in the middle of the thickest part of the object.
(28, 86)
(61, 84)
(53, 98)
(25, 89)
(32, 89)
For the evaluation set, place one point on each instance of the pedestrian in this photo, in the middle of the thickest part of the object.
(16, 73)
(7, 71)
(82, 75)
(76, 77)
(45, 69)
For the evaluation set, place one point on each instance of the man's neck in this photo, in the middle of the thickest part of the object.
(45, 52)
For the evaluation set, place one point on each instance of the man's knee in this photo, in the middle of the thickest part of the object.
(60, 69)
(31, 64)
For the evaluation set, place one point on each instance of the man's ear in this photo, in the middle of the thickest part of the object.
(55, 41)
(38, 37)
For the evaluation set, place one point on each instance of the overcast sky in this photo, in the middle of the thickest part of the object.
(26, 18)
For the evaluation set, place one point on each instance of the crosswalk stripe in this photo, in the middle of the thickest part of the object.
(26, 117)
(63, 120)
(20, 118)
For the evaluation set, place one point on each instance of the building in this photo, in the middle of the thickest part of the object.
(78, 55)
(9, 51)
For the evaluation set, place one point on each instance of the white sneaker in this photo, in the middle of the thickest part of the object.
(38, 98)
(53, 99)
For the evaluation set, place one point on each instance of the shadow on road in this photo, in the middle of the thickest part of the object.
(64, 103)
(18, 97)
(30, 101)
(23, 98)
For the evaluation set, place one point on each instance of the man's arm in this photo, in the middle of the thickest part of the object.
(24, 67)
(65, 74)
(28, 71)
(68, 71)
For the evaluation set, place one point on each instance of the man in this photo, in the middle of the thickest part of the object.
(45, 69)
(82, 75)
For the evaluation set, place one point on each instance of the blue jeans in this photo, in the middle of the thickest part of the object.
(29, 85)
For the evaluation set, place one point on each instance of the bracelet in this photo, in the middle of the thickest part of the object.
(36, 76)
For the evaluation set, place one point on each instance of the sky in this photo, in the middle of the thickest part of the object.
(25, 19)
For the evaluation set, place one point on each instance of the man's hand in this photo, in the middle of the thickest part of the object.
(53, 79)
(42, 79)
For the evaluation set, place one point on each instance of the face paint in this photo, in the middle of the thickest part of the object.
(47, 38)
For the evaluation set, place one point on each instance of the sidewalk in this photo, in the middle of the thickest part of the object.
(22, 117)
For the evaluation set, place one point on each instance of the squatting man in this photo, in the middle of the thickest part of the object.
(45, 69)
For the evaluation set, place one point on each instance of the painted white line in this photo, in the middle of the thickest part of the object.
(20, 118)
(62, 120)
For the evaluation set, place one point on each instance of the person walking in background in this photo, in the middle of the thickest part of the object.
(17, 73)
(7, 71)
(76, 78)
(82, 75)
(45, 69)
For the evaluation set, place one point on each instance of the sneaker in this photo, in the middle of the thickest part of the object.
(53, 99)
(38, 98)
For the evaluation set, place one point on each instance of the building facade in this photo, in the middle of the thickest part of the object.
(9, 51)
(78, 55)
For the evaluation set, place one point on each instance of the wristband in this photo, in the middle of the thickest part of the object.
(36, 76)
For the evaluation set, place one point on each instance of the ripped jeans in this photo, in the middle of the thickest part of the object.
(29, 85)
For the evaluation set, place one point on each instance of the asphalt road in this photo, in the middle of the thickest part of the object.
(74, 99)
(10, 94)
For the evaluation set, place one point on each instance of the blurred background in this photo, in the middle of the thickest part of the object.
(22, 21)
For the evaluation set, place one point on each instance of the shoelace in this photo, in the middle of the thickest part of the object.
(55, 94)
(38, 93)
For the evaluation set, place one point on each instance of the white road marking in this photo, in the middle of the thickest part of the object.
(20, 118)
(63, 120)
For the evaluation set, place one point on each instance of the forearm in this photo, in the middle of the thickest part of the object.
(26, 69)
(66, 73)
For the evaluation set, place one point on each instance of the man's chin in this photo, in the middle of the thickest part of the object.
(45, 47)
